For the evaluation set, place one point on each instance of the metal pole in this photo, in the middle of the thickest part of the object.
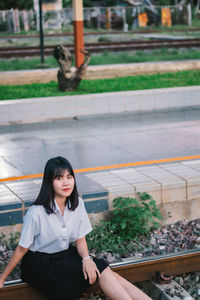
(78, 32)
(41, 33)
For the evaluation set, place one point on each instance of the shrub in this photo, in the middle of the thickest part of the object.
(129, 219)
(7, 246)
(134, 217)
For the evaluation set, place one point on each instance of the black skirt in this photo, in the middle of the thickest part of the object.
(57, 275)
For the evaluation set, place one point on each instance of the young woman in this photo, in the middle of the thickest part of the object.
(49, 262)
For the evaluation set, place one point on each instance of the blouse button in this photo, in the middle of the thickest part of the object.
(63, 225)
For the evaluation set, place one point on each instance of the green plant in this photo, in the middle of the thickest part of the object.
(134, 217)
(129, 219)
(7, 247)
(102, 238)
(11, 242)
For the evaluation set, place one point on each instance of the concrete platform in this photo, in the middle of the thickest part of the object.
(99, 141)
(68, 107)
(95, 72)
(174, 186)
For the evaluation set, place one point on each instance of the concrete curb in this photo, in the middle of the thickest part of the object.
(95, 72)
(61, 107)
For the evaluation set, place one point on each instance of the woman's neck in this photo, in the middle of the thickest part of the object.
(60, 201)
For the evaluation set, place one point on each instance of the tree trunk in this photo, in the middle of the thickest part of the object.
(68, 81)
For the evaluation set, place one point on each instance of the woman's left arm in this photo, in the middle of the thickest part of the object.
(90, 270)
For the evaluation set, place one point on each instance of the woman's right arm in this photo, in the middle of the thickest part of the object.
(15, 259)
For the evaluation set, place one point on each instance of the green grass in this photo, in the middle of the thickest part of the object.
(142, 82)
(106, 58)
(145, 56)
(25, 63)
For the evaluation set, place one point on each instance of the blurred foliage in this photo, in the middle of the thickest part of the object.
(28, 4)
(20, 4)
(173, 2)
(7, 247)
(111, 2)
(66, 3)
(164, 2)
(48, 1)
(86, 3)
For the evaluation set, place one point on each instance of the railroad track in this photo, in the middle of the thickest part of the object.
(62, 34)
(8, 52)
(135, 271)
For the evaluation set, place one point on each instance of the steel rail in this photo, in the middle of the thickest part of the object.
(136, 41)
(8, 52)
(133, 270)
(173, 264)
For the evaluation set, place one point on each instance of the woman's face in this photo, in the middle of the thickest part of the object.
(63, 185)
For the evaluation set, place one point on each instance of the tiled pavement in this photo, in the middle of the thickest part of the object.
(174, 186)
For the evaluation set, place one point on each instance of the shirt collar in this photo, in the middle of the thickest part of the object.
(57, 209)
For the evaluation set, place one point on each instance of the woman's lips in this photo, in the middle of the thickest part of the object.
(66, 190)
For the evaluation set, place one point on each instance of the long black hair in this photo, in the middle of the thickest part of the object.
(55, 167)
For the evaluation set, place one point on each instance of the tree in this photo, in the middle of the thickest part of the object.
(20, 4)
(66, 3)
(110, 2)
(68, 81)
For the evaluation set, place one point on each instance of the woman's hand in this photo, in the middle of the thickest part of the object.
(1, 282)
(90, 270)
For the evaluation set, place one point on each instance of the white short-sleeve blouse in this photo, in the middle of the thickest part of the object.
(53, 233)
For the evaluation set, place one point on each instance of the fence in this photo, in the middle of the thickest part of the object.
(100, 18)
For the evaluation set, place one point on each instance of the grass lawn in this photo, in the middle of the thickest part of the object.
(106, 58)
(176, 79)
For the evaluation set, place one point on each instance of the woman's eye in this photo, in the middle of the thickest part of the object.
(58, 178)
(70, 177)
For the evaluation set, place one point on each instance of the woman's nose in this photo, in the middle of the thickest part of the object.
(65, 181)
